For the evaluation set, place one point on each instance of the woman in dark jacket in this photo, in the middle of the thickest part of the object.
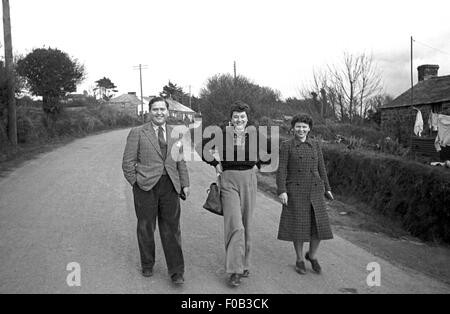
(239, 159)
(302, 185)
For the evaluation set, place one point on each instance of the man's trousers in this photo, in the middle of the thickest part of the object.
(161, 202)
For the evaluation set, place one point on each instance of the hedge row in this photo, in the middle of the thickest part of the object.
(34, 128)
(415, 194)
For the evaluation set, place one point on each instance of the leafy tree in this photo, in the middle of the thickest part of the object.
(223, 89)
(173, 91)
(105, 88)
(50, 73)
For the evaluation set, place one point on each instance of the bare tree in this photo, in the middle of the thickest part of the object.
(345, 78)
(321, 88)
(369, 83)
(346, 87)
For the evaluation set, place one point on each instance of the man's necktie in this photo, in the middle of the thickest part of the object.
(162, 141)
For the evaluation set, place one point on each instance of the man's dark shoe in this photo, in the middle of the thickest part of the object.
(147, 272)
(314, 263)
(235, 280)
(177, 279)
(246, 274)
(300, 267)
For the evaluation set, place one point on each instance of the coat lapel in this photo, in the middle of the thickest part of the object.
(150, 133)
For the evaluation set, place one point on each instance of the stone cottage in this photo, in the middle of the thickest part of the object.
(131, 104)
(126, 103)
(430, 94)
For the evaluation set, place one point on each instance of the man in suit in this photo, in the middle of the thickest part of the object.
(153, 165)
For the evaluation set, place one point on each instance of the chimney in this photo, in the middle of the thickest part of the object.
(427, 71)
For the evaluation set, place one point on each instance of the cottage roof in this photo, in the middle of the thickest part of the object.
(126, 98)
(431, 91)
(176, 106)
(173, 105)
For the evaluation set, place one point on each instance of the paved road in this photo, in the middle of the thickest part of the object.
(73, 205)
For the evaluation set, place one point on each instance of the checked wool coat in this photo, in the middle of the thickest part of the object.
(302, 175)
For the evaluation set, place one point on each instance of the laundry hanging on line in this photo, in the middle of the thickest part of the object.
(443, 136)
(433, 121)
(418, 126)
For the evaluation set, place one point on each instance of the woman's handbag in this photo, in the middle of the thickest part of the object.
(213, 203)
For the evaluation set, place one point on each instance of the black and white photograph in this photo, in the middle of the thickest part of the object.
(225, 155)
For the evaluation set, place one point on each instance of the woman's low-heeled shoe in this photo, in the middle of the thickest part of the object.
(314, 263)
(234, 280)
(245, 274)
(300, 267)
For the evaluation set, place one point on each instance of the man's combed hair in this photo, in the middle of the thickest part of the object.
(239, 106)
(303, 118)
(157, 99)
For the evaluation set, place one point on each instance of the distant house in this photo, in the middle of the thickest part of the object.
(74, 102)
(132, 104)
(128, 103)
(430, 94)
(176, 110)
(75, 97)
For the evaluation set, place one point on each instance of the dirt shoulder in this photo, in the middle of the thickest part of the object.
(365, 228)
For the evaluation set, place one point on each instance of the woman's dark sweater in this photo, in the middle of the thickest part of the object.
(237, 157)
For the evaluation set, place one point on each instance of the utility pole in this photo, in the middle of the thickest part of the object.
(234, 81)
(190, 96)
(12, 117)
(412, 79)
(140, 68)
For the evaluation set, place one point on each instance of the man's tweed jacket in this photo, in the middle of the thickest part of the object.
(143, 161)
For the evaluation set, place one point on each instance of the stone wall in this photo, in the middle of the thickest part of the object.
(399, 122)
(127, 108)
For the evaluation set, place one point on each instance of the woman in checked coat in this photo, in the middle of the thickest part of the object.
(302, 184)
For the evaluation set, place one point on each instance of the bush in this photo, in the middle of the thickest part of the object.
(393, 147)
(322, 131)
(417, 195)
(369, 134)
(265, 121)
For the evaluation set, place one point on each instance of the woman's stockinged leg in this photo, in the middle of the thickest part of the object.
(313, 247)
(298, 246)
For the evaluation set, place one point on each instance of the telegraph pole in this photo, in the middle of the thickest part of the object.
(234, 81)
(412, 79)
(12, 117)
(140, 68)
(190, 96)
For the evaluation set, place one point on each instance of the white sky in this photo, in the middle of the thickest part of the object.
(275, 43)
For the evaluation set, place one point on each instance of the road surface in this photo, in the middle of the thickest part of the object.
(73, 205)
